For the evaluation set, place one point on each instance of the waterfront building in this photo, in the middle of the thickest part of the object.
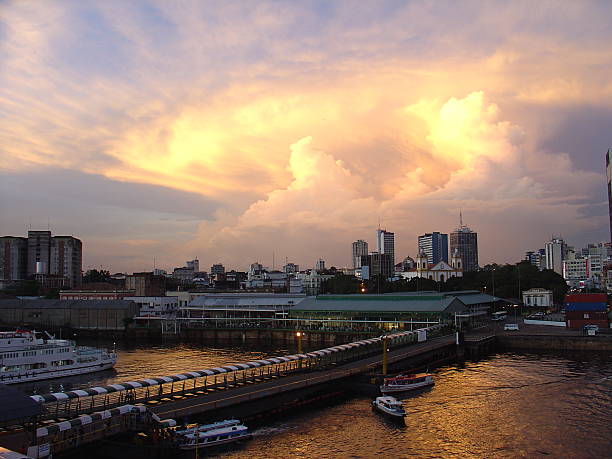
(385, 244)
(435, 246)
(439, 272)
(360, 249)
(238, 309)
(96, 291)
(389, 311)
(217, 269)
(555, 252)
(13, 259)
(464, 241)
(156, 306)
(77, 314)
(538, 297)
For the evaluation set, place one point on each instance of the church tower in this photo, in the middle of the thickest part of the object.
(456, 260)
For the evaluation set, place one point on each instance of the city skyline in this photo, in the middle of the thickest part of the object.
(234, 132)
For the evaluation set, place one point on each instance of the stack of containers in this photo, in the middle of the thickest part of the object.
(586, 309)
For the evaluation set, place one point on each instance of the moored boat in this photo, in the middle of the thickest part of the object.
(402, 383)
(24, 357)
(212, 435)
(390, 406)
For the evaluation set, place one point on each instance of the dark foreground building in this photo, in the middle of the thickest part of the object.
(77, 314)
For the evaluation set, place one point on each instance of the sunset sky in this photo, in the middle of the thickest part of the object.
(231, 130)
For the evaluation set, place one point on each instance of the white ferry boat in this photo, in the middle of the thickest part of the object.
(404, 383)
(212, 435)
(24, 357)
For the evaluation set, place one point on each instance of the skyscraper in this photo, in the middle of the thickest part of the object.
(360, 248)
(465, 241)
(609, 174)
(385, 243)
(435, 246)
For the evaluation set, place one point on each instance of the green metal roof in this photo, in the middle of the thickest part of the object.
(380, 303)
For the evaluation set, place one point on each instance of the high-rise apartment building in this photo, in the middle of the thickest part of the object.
(465, 242)
(609, 177)
(435, 246)
(67, 259)
(56, 260)
(555, 253)
(13, 259)
(39, 252)
(385, 244)
(360, 248)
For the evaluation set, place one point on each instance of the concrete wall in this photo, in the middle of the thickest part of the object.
(556, 343)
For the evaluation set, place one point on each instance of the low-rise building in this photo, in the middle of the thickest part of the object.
(156, 306)
(538, 297)
(406, 311)
(239, 308)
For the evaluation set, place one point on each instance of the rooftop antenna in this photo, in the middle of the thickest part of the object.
(273, 261)
(48, 224)
(460, 219)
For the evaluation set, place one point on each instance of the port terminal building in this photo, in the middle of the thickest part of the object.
(403, 311)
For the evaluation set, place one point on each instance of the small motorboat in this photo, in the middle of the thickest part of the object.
(402, 383)
(390, 406)
(212, 435)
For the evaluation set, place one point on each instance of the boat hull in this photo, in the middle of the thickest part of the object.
(405, 388)
(53, 374)
(192, 446)
(389, 414)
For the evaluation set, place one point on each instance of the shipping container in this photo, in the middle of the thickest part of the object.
(575, 324)
(586, 306)
(586, 298)
(597, 315)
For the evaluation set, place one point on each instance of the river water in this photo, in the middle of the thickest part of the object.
(507, 405)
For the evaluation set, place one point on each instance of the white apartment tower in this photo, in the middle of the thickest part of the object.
(555, 253)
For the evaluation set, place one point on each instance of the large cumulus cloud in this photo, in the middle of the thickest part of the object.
(308, 123)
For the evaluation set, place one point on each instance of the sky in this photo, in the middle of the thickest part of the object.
(236, 132)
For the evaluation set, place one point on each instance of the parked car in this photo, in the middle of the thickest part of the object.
(511, 327)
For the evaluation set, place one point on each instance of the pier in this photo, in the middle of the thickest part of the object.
(243, 390)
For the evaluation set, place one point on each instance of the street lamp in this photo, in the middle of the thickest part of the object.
(299, 340)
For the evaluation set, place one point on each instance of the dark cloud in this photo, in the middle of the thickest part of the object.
(69, 186)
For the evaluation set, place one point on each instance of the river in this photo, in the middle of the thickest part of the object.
(507, 405)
